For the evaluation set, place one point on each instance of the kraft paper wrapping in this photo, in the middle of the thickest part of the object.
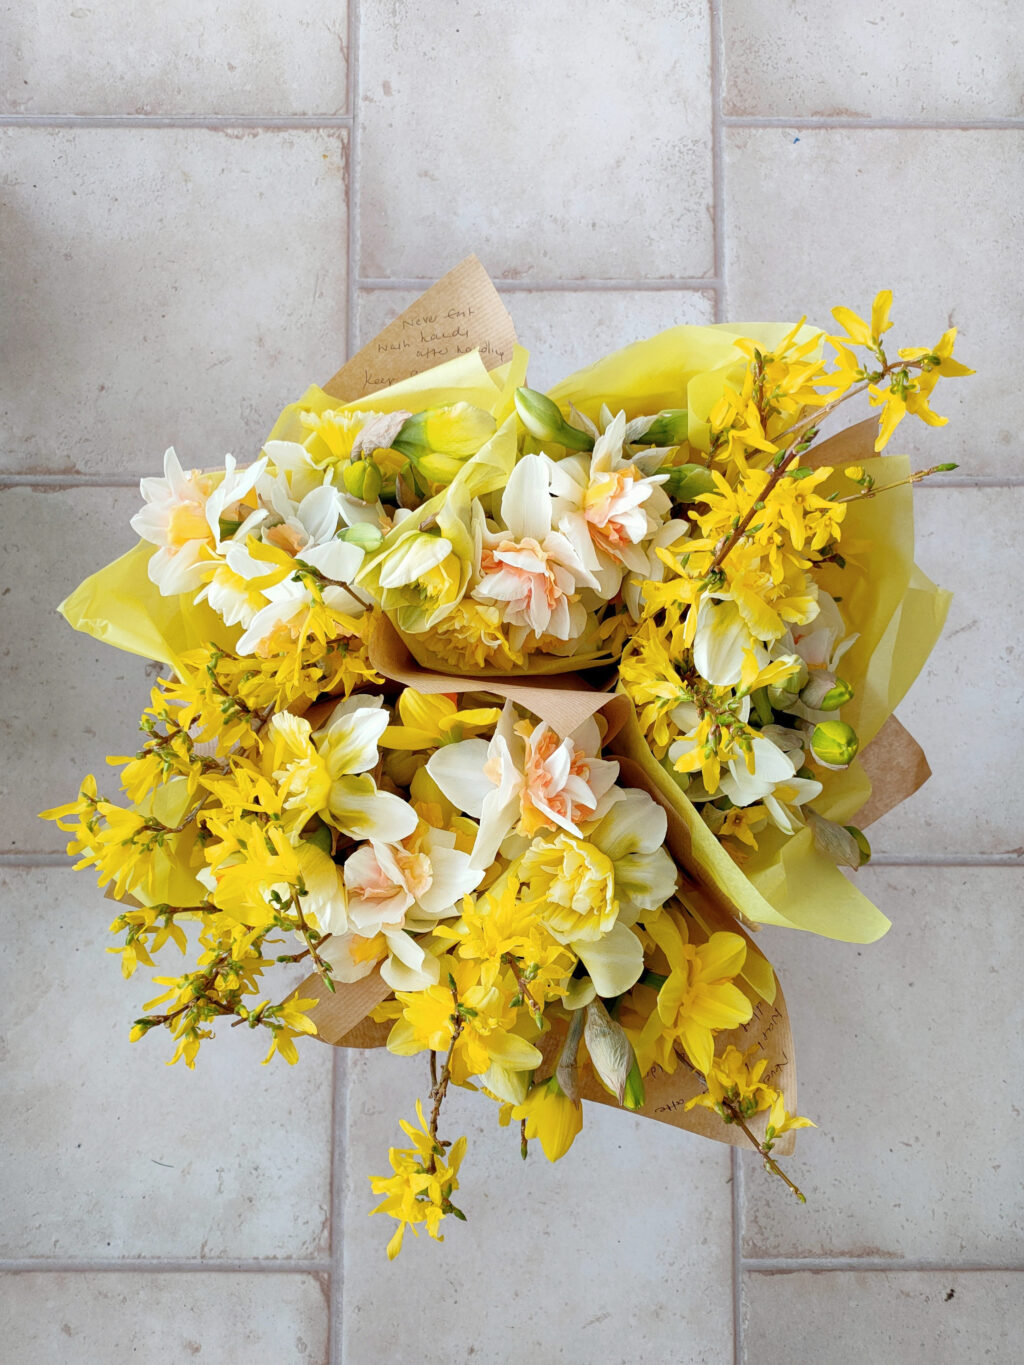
(460, 314)
(341, 1017)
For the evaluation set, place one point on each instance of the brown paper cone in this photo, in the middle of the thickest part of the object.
(459, 314)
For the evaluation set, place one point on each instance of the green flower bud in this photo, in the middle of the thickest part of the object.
(835, 841)
(362, 479)
(670, 428)
(543, 418)
(634, 1094)
(363, 534)
(687, 482)
(860, 838)
(825, 692)
(834, 743)
(782, 694)
(457, 430)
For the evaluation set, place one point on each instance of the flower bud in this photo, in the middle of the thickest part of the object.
(362, 480)
(543, 418)
(834, 743)
(567, 1072)
(634, 1096)
(457, 429)
(670, 428)
(825, 692)
(610, 1050)
(366, 536)
(836, 842)
(687, 482)
(860, 838)
(782, 693)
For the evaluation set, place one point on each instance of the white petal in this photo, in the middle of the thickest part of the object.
(614, 961)
(526, 503)
(458, 769)
(335, 559)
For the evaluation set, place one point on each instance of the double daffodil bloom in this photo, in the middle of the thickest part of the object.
(533, 571)
(525, 778)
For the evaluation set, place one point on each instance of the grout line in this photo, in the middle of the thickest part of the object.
(157, 1266)
(209, 121)
(34, 860)
(895, 124)
(707, 283)
(717, 154)
(69, 480)
(965, 481)
(354, 150)
(56, 859)
(715, 286)
(946, 860)
(736, 1163)
(338, 1175)
(793, 1265)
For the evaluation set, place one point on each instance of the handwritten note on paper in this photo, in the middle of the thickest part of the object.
(459, 314)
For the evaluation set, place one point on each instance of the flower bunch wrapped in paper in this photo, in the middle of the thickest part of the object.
(372, 741)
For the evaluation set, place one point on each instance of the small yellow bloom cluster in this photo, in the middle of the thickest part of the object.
(732, 667)
(425, 1178)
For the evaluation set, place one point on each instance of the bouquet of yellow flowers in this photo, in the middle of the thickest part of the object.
(495, 719)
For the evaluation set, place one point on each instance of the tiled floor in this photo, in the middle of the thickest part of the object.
(204, 209)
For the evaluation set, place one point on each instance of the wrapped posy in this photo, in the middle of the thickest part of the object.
(503, 718)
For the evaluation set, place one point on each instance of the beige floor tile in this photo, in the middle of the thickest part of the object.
(112, 1154)
(288, 57)
(817, 218)
(565, 329)
(900, 1318)
(164, 287)
(554, 146)
(111, 1318)
(872, 60)
(908, 1058)
(620, 1252)
(94, 694)
(967, 707)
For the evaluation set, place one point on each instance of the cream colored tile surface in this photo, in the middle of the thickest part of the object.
(117, 1318)
(565, 329)
(192, 58)
(900, 1318)
(111, 1154)
(935, 216)
(908, 1058)
(873, 59)
(967, 706)
(557, 144)
(50, 540)
(620, 1252)
(180, 284)
(164, 287)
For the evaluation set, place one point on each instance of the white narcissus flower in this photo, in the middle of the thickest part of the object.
(325, 772)
(396, 889)
(609, 506)
(524, 777)
(182, 518)
(773, 782)
(531, 570)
